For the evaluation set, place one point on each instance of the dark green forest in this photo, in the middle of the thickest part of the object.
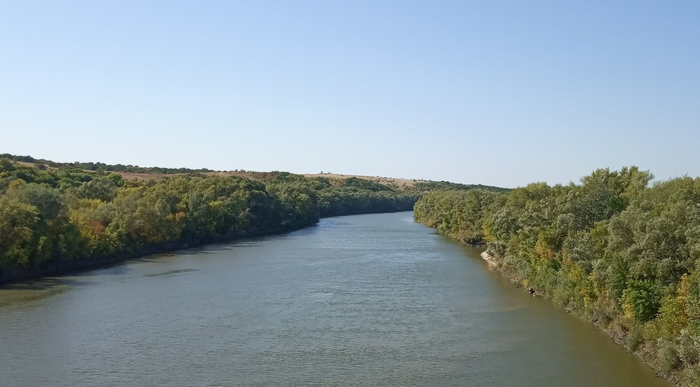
(614, 249)
(56, 218)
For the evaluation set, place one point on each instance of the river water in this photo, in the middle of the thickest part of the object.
(372, 300)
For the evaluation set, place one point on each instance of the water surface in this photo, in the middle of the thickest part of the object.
(373, 300)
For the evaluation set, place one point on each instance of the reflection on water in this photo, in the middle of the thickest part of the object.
(20, 293)
(360, 300)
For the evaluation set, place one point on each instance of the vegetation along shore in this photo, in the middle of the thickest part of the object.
(62, 216)
(615, 250)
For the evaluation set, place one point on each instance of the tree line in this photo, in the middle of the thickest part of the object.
(428, 186)
(615, 249)
(100, 167)
(64, 217)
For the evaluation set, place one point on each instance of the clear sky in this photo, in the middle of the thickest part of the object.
(491, 92)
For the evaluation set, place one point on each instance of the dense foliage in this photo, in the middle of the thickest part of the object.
(613, 249)
(52, 218)
(427, 186)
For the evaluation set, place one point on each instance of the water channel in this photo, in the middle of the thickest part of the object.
(367, 300)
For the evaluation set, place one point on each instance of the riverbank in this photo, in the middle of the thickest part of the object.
(618, 336)
(58, 268)
(617, 251)
(614, 335)
(489, 259)
(52, 220)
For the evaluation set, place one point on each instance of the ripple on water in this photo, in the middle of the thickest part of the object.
(370, 300)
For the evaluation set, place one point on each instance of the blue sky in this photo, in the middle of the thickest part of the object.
(501, 93)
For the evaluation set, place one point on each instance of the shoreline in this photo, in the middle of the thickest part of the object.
(614, 336)
(489, 259)
(57, 269)
(617, 339)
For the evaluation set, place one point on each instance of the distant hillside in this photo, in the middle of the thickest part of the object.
(90, 166)
(130, 172)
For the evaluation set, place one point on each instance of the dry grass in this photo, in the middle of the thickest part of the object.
(160, 176)
(390, 181)
(401, 184)
(31, 165)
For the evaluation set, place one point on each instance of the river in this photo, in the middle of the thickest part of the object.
(367, 300)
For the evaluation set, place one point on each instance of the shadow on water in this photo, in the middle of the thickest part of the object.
(170, 272)
(45, 287)
(250, 241)
(35, 290)
(44, 284)
(303, 232)
(115, 269)
(470, 251)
